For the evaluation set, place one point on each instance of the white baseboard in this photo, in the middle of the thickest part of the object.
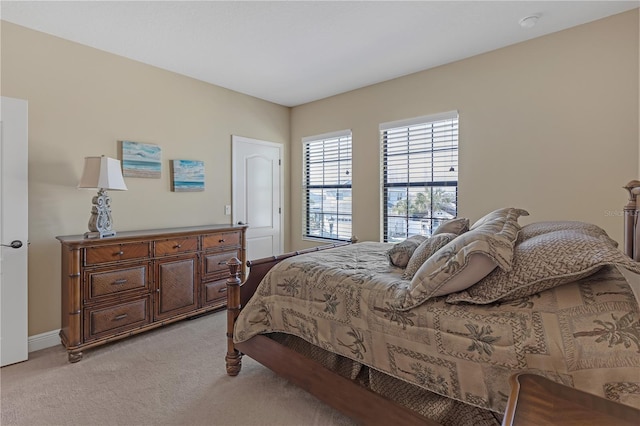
(44, 340)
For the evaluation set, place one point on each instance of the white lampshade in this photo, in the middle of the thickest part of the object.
(102, 173)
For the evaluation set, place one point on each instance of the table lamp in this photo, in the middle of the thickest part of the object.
(101, 173)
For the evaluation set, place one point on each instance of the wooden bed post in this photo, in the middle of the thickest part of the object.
(233, 358)
(630, 221)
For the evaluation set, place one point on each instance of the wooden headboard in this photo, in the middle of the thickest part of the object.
(631, 229)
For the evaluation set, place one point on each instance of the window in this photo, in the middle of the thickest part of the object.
(327, 186)
(419, 175)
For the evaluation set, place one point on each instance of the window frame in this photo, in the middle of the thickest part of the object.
(430, 182)
(340, 202)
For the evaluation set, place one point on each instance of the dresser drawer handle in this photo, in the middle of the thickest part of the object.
(222, 290)
(177, 246)
(120, 253)
(120, 281)
(120, 317)
(221, 241)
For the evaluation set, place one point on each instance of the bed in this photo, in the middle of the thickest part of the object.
(431, 331)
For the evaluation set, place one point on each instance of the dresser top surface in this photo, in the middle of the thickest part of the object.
(148, 233)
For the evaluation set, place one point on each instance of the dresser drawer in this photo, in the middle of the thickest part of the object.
(116, 318)
(225, 239)
(215, 263)
(116, 252)
(214, 291)
(113, 282)
(176, 246)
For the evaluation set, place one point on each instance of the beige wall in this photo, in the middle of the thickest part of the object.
(549, 125)
(81, 102)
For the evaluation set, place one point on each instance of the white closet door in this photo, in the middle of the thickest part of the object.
(256, 192)
(13, 228)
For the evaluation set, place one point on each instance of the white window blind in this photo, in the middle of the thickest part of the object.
(327, 186)
(419, 174)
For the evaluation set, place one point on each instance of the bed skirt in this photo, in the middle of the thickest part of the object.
(443, 410)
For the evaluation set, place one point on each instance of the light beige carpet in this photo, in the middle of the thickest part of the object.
(170, 376)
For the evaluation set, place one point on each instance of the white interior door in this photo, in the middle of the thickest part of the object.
(256, 183)
(13, 228)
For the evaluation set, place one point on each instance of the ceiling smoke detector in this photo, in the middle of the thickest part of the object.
(529, 21)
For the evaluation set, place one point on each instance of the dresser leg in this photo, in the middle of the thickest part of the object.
(74, 356)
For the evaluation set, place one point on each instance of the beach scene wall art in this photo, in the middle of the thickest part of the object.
(187, 175)
(141, 160)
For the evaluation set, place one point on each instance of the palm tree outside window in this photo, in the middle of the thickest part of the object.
(419, 175)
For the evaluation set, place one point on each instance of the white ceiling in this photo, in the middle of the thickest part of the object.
(293, 52)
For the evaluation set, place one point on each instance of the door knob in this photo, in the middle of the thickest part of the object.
(16, 244)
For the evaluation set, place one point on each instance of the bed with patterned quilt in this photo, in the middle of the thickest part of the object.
(437, 325)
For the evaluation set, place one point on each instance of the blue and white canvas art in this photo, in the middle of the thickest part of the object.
(141, 160)
(188, 175)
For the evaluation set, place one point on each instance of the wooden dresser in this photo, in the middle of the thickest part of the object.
(115, 287)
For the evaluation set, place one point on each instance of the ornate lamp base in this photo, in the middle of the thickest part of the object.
(96, 234)
(100, 222)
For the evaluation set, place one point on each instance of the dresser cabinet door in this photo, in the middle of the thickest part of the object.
(176, 290)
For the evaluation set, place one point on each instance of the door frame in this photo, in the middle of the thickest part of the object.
(235, 140)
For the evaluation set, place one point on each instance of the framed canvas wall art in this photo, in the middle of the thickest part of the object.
(187, 175)
(142, 160)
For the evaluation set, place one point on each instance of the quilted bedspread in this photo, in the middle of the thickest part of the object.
(585, 334)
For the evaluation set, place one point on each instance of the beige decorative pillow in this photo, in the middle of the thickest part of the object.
(400, 253)
(539, 228)
(424, 251)
(545, 261)
(467, 259)
(496, 214)
(453, 226)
